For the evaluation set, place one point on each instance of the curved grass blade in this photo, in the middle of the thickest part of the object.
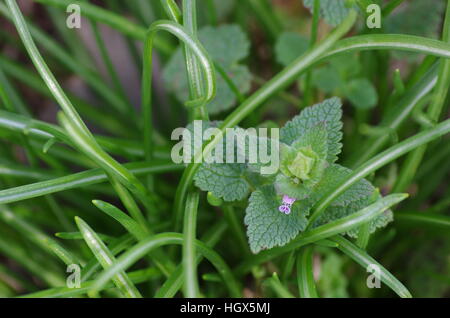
(127, 222)
(175, 281)
(73, 123)
(106, 259)
(136, 277)
(277, 287)
(363, 259)
(197, 49)
(37, 237)
(77, 180)
(189, 263)
(305, 273)
(142, 248)
(424, 219)
(79, 236)
(400, 42)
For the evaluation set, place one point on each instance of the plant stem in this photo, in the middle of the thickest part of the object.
(189, 261)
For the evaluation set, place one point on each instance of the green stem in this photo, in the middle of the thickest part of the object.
(192, 64)
(189, 261)
(77, 180)
(207, 66)
(305, 273)
(278, 288)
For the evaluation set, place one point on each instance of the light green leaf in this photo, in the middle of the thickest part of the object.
(227, 44)
(226, 181)
(361, 93)
(266, 225)
(328, 113)
(333, 176)
(332, 11)
(289, 46)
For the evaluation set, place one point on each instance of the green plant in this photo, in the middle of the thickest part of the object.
(115, 198)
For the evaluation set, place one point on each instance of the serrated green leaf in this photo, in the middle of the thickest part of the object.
(333, 176)
(337, 212)
(361, 93)
(316, 138)
(289, 46)
(226, 45)
(332, 11)
(226, 181)
(328, 113)
(266, 225)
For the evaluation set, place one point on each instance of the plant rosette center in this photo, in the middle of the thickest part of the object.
(301, 168)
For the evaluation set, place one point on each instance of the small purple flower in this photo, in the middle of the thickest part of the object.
(285, 207)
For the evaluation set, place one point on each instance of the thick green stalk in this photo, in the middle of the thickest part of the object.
(410, 43)
(107, 259)
(207, 66)
(189, 262)
(305, 273)
(192, 64)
